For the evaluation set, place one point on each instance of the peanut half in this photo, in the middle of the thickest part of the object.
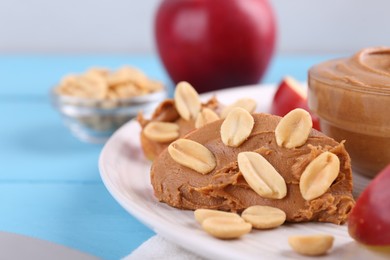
(246, 103)
(205, 116)
(319, 175)
(192, 155)
(187, 101)
(226, 228)
(312, 245)
(293, 129)
(237, 127)
(161, 131)
(202, 214)
(261, 176)
(264, 217)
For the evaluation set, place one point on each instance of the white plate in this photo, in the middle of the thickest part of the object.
(125, 172)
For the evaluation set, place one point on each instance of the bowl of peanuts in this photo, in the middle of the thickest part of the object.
(96, 103)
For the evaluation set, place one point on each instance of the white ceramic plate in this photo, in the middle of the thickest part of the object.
(125, 172)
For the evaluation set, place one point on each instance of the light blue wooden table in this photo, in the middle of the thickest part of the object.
(50, 186)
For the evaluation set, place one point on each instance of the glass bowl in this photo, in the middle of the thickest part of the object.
(351, 97)
(94, 120)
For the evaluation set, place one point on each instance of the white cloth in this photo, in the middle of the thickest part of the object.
(159, 248)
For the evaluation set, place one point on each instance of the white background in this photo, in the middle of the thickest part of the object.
(126, 26)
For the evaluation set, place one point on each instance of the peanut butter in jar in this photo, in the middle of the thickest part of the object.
(351, 96)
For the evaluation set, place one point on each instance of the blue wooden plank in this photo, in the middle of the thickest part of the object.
(83, 216)
(34, 145)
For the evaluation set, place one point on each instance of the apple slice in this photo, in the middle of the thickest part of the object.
(369, 220)
(290, 95)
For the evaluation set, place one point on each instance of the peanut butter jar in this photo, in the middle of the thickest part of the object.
(351, 97)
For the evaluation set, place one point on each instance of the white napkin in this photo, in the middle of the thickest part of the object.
(158, 247)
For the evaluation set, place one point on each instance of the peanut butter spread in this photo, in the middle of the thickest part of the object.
(166, 112)
(367, 70)
(225, 188)
(352, 96)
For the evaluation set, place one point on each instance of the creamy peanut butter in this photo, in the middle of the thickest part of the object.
(352, 98)
(225, 188)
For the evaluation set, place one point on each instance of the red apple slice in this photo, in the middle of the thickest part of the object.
(290, 95)
(369, 220)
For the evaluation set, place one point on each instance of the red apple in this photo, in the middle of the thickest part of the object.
(215, 44)
(288, 96)
(369, 220)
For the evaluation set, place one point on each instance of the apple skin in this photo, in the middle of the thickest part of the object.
(215, 44)
(369, 220)
(288, 96)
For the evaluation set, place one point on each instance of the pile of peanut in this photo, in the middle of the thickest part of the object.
(292, 131)
(101, 92)
(100, 83)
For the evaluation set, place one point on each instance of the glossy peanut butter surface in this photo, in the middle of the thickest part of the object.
(366, 71)
(352, 98)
